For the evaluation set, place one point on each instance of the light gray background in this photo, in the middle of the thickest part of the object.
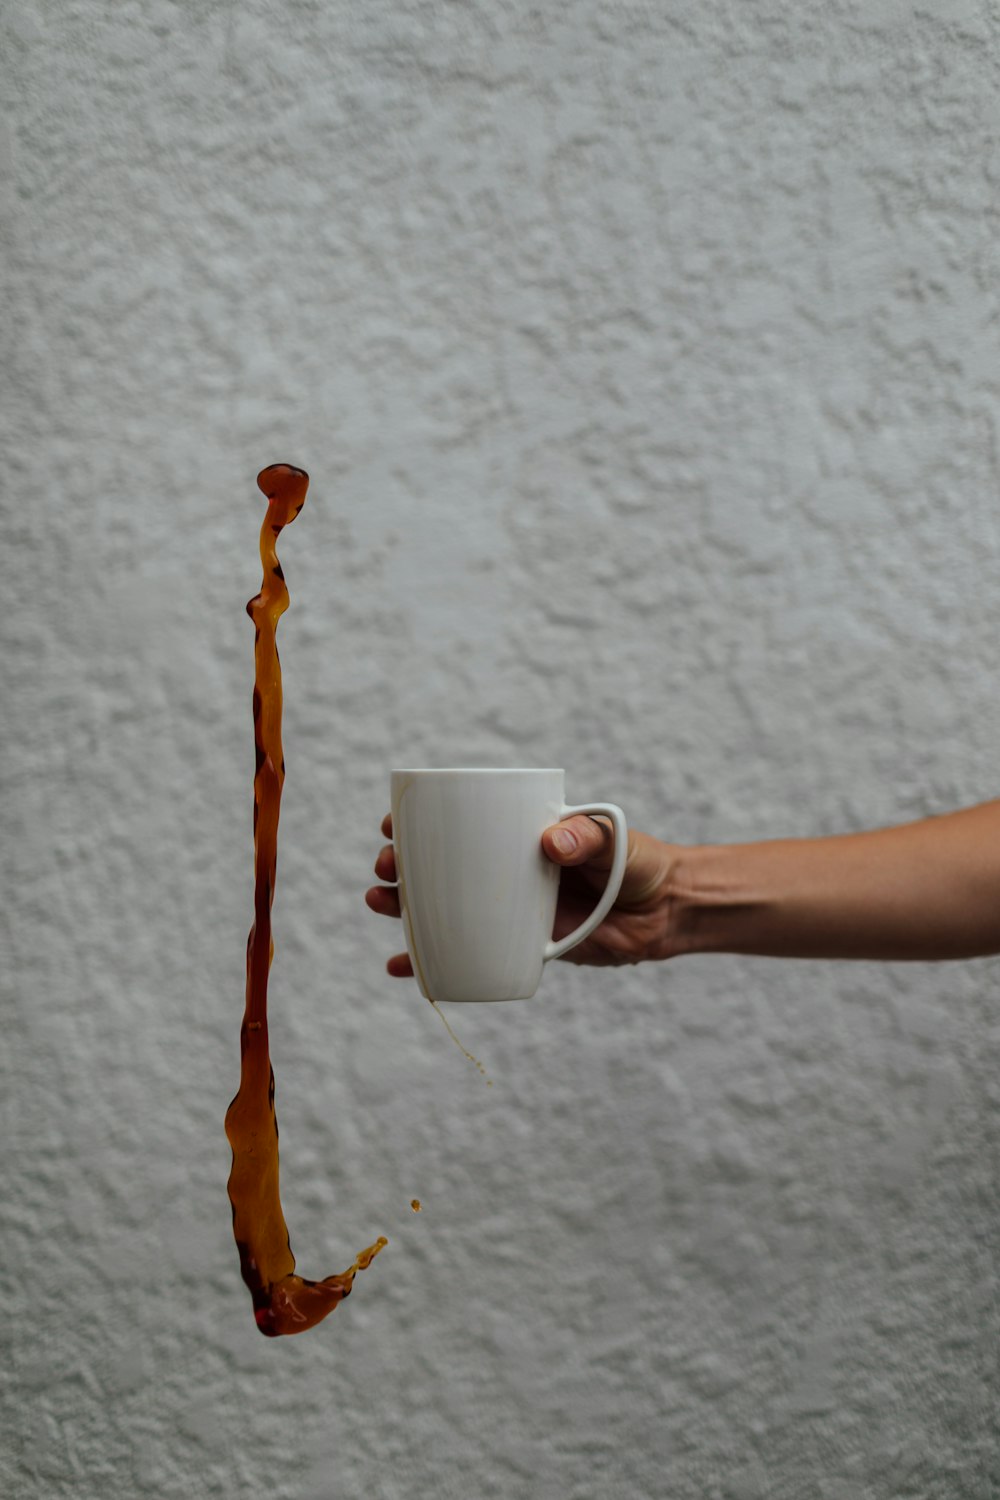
(645, 360)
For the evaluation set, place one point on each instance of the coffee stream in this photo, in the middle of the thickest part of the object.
(282, 1301)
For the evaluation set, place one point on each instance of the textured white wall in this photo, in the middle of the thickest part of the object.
(644, 357)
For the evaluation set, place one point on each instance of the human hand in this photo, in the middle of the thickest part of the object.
(636, 928)
(638, 925)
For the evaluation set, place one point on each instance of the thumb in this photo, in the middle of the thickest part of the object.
(578, 841)
(647, 868)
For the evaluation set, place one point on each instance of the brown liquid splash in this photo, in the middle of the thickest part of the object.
(282, 1301)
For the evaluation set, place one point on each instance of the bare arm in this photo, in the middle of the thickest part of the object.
(925, 890)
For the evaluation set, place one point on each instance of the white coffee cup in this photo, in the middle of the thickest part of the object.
(477, 894)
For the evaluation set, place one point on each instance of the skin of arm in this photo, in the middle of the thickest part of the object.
(926, 890)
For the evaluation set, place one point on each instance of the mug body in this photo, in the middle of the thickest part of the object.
(478, 897)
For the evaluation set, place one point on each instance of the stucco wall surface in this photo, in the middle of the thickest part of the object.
(644, 357)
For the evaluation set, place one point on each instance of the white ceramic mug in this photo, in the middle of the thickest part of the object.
(477, 894)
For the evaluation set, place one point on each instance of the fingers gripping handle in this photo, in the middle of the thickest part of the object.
(615, 876)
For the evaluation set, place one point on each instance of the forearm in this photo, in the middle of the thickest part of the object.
(926, 890)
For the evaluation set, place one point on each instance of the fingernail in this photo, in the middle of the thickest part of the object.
(564, 841)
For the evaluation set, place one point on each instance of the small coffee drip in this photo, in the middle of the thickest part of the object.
(464, 1050)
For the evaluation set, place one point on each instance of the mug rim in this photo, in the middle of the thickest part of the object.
(478, 771)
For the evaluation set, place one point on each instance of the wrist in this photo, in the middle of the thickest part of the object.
(679, 925)
(697, 898)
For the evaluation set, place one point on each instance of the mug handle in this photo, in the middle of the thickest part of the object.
(615, 876)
